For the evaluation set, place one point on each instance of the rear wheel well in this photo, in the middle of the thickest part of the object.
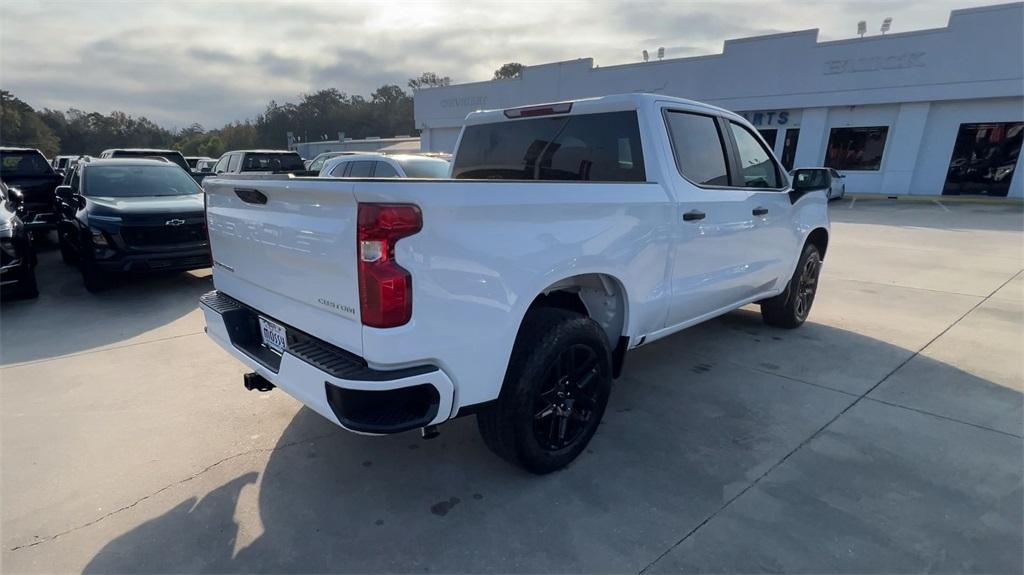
(597, 296)
(819, 237)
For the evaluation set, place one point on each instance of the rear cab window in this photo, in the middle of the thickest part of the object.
(599, 147)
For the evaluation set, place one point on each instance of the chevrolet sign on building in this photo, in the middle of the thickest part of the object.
(926, 112)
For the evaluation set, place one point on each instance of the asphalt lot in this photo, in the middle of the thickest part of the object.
(883, 436)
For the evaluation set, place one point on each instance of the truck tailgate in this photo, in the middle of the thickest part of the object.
(287, 248)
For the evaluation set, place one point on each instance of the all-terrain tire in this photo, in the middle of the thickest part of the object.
(94, 280)
(67, 253)
(560, 365)
(790, 308)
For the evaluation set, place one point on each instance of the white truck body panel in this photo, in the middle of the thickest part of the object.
(293, 257)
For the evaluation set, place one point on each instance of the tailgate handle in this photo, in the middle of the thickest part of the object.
(251, 196)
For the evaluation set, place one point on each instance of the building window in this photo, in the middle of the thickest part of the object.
(789, 148)
(984, 158)
(769, 136)
(856, 148)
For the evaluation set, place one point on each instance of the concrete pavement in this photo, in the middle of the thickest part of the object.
(883, 436)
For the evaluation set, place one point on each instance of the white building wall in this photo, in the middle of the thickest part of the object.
(903, 147)
(860, 182)
(921, 84)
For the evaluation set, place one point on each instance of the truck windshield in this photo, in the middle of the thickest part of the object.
(424, 167)
(601, 147)
(138, 181)
(260, 162)
(171, 155)
(27, 163)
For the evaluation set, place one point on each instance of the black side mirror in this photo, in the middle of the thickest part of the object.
(64, 193)
(809, 179)
(806, 180)
(15, 198)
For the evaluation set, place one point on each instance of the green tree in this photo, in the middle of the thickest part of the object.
(428, 80)
(20, 125)
(508, 71)
(213, 147)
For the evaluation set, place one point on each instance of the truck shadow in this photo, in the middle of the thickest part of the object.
(684, 433)
(67, 319)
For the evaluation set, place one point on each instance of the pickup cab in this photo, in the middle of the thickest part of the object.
(569, 234)
(28, 172)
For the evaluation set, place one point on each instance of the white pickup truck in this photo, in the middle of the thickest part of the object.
(568, 234)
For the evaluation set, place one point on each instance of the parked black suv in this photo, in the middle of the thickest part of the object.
(17, 255)
(27, 170)
(127, 215)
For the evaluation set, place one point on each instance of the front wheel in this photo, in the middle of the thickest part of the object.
(67, 253)
(93, 279)
(790, 308)
(555, 392)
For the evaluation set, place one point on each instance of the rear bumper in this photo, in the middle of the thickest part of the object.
(336, 384)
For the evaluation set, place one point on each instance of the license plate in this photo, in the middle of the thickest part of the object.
(273, 335)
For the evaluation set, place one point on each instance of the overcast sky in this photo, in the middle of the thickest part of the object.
(207, 62)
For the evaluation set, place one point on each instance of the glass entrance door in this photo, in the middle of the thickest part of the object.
(984, 158)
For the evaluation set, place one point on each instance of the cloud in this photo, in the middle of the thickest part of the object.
(177, 64)
(212, 55)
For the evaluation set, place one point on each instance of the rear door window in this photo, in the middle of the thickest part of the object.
(601, 147)
(339, 170)
(698, 148)
(361, 169)
(384, 170)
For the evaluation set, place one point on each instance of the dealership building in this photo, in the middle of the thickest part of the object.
(926, 112)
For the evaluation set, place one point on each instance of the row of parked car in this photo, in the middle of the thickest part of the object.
(142, 210)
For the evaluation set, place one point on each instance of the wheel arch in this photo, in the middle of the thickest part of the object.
(819, 238)
(600, 296)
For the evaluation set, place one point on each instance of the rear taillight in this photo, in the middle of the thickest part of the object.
(385, 288)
